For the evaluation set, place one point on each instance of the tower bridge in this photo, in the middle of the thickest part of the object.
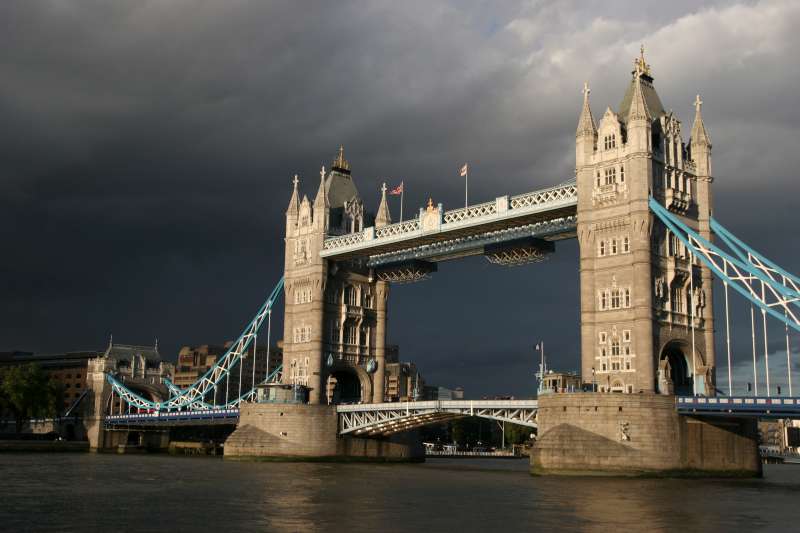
(640, 207)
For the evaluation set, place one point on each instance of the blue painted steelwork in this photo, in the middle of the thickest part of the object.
(194, 395)
(738, 406)
(738, 273)
(745, 253)
(466, 244)
(247, 396)
(75, 404)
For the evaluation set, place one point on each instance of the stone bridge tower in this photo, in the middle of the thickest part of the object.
(335, 312)
(646, 309)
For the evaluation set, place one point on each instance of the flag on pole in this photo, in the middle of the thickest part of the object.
(464, 170)
(537, 347)
(397, 190)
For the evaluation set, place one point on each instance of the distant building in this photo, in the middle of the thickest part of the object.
(433, 392)
(195, 361)
(403, 382)
(142, 364)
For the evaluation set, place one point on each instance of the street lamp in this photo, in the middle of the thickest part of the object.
(594, 382)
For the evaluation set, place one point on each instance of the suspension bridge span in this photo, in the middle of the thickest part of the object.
(650, 256)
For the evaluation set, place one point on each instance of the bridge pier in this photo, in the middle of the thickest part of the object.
(639, 434)
(308, 432)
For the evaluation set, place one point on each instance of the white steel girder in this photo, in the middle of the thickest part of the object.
(389, 418)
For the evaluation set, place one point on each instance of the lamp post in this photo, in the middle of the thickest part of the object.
(594, 381)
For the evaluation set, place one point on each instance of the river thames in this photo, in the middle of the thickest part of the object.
(95, 492)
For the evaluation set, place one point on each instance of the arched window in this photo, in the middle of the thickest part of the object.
(603, 300)
(622, 173)
(627, 297)
(598, 178)
(602, 248)
(626, 245)
(613, 246)
(615, 347)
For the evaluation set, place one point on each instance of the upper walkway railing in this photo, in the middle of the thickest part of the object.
(536, 206)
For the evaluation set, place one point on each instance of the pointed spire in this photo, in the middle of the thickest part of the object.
(699, 133)
(638, 109)
(294, 201)
(384, 217)
(340, 164)
(586, 124)
(322, 195)
(640, 65)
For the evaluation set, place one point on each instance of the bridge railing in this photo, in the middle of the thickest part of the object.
(502, 207)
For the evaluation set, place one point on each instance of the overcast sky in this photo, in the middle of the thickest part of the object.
(147, 150)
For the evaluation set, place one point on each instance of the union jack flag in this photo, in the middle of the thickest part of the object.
(397, 190)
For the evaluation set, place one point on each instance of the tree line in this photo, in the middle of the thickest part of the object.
(26, 392)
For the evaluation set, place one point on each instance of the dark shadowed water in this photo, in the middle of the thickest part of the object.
(99, 493)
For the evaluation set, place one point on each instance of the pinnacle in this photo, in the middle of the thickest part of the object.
(699, 133)
(638, 109)
(383, 217)
(586, 124)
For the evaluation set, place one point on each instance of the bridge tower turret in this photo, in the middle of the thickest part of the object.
(335, 312)
(637, 283)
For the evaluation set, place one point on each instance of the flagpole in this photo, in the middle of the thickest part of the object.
(466, 188)
(402, 192)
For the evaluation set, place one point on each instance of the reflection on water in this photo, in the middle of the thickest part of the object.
(161, 493)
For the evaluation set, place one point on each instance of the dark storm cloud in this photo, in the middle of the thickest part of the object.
(147, 149)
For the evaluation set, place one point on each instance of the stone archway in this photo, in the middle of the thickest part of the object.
(675, 368)
(617, 386)
(348, 384)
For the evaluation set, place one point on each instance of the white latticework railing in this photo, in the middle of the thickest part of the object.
(399, 228)
(531, 199)
(343, 240)
(470, 212)
(501, 207)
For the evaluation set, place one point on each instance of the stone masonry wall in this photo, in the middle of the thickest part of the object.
(306, 431)
(636, 434)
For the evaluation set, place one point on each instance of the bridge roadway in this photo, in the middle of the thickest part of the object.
(377, 419)
(437, 235)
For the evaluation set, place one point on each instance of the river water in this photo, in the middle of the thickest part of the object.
(139, 493)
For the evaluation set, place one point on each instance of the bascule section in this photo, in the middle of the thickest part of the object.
(646, 316)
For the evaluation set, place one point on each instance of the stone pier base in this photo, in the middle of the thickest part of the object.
(302, 432)
(639, 434)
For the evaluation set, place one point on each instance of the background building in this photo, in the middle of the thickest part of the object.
(403, 382)
(194, 361)
(130, 363)
(434, 392)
